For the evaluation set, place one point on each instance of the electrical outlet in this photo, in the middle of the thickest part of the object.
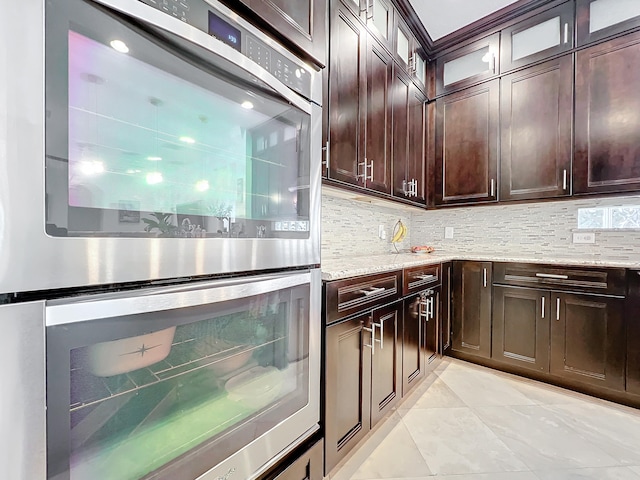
(448, 232)
(382, 234)
(584, 237)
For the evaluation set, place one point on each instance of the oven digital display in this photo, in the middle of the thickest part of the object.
(224, 32)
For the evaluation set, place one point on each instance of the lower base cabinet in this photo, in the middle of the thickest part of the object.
(308, 466)
(521, 327)
(587, 339)
(632, 315)
(363, 382)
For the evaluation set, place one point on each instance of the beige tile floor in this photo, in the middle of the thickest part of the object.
(467, 422)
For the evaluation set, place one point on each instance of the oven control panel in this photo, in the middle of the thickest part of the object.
(242, 37)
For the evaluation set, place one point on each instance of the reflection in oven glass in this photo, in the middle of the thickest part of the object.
(131, 415)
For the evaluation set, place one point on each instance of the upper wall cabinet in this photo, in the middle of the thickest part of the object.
(536, 108)
(607, 122)
(598, 19)
(378, 15)
(468, 65)
(301, 21)
(537, 38)
(466, 151)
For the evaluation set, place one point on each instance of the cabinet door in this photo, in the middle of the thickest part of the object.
(632, 318)
(309, 466)
(386, 361)
(445, 308)
(468, 65)
(467, 130)
(599, 19)
(347, 96)
(402, 186)
(416, 160)
(380, 16)
(587, 339)
(419, 69)
(347, 413)
(537, 114)
(413, 359)
(537, 38)
(404, 45)
(375, 168)
(520, 334)
(303, 22)
(431, 317)
(472, 308)
(607, 152)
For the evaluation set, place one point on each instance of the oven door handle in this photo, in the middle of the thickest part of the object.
(155, 18)
(96, 307)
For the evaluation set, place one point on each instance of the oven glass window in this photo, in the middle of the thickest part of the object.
(146, 138)
(219, 378)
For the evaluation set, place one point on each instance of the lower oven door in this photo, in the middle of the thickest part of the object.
(213, 380)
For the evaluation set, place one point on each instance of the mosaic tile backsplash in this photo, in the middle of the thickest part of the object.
(544, 229)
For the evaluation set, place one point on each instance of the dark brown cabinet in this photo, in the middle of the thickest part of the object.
(587, 339)
(466, 151)
(308, 465)
(607, 152)
(471, 329)
(303, 22)
(445, 308)
(359, 125)
(386, 360)
(632, 316)
(347, 387)
(541, 36)
(409, 140)
(468, 65)
(536, 108)
(520, 334)
(598, 19)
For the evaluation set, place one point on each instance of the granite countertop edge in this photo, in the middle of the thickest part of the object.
(337, 268)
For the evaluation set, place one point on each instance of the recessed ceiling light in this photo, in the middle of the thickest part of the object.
(119, 46)
(154, 159)
(154, 178)
(202, 185)
(247, 104)
(187, 140)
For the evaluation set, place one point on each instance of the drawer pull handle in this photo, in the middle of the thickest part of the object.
(372, 291)
(558, 309)
(484, 277)
(552, 275)
(425, 277)
(542, 307)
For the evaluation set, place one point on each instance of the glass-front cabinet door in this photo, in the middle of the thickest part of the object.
(380, 15)
(599, 19)
(537, 38)
(148, 138)
(168, 391)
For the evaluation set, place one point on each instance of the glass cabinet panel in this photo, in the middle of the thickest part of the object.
(402, 48)
(536, 39)
(474, 63)
(421, 69)
(606, 13)
(381, 17)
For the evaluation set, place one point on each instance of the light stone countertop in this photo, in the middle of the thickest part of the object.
(336, 268)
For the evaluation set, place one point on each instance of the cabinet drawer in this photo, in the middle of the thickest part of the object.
(609, 281)
(353, 295)
(308, 467)
(419, 278)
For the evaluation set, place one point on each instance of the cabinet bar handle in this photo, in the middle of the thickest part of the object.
(381, 328)
(371, 167)
(415, 188)
(431, 302)
(372, 346)
(564, 179)
(373, 291)
(364, 175)
(404, 187)
(542, 307)
(370, 16)
(326, 156)
(484, 277)
(558, 309)
(492, 187)
(566, 32)
(552, 275)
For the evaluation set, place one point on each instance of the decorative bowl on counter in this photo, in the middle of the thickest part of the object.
(106, 359)
(422, 249)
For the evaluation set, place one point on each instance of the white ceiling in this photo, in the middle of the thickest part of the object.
(442, 17)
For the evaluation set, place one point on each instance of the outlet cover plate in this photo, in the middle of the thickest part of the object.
(584, 237)
(448, 232)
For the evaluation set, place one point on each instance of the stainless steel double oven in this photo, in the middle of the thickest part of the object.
(159, 242)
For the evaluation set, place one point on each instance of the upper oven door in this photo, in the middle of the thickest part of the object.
(167, 153)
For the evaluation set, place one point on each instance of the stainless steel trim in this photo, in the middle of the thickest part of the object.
(152, 16)
(22, 408)
(558, 308)
(566, 32)
(552, 275)
(543, 306)
(484, 277)
(90, 308)
(564, 179)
